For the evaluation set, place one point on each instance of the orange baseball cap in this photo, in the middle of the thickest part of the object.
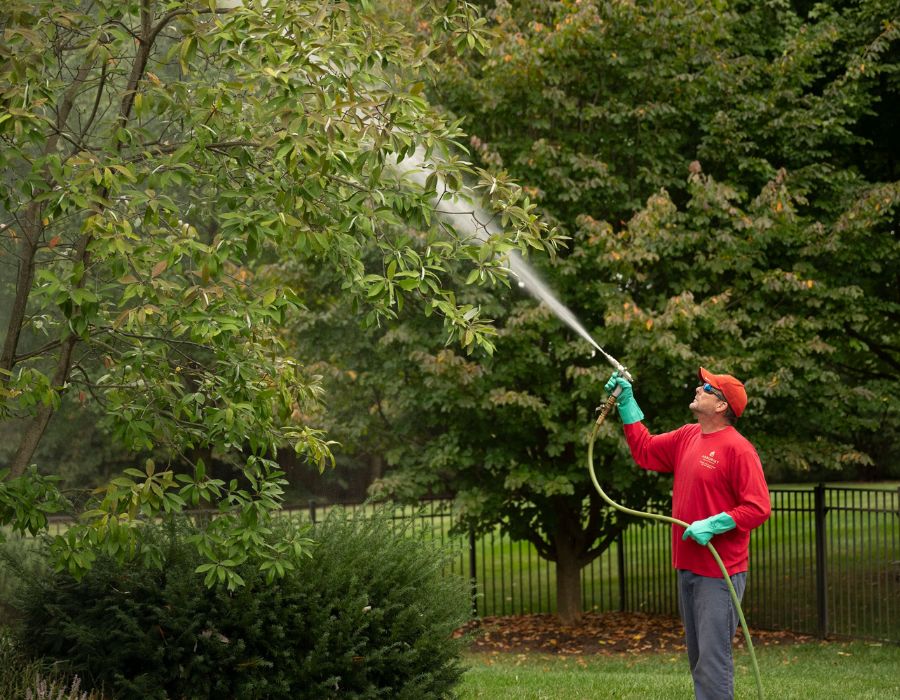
(732, 388)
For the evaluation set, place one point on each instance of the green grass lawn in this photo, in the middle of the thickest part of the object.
(849, 671)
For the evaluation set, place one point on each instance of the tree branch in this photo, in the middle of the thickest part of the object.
(84, 130)
(145, 44)
(34, 431)
(171, 341)
(168, 17)
(542, 547)
(880, 351)
(604, 544)
(32, 227)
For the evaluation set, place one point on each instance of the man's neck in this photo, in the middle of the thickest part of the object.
(712, 424)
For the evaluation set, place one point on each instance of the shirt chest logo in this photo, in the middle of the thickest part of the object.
(709, 461)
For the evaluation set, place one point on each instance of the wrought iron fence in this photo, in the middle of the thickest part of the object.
(826, 563)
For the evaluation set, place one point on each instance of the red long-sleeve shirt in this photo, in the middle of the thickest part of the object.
(714, 473)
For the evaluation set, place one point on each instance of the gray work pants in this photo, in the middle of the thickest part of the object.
(710, 621)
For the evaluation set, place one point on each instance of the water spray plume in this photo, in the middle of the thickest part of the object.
(458, 209)
(539, 290)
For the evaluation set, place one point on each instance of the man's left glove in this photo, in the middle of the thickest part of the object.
(702, 531)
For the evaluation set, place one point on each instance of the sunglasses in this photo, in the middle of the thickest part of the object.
(710, 389)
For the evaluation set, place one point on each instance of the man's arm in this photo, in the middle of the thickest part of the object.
(654, 452)
(749, 483)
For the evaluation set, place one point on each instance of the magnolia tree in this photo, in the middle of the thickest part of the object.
(158, 159)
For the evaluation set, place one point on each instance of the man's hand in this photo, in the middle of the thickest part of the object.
(629, 410)
(702, 531)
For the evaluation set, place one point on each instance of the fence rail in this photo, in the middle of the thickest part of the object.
(826, 563)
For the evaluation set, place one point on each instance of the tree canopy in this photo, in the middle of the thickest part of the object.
(727, 208)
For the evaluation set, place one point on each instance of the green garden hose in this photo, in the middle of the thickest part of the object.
(604, 411)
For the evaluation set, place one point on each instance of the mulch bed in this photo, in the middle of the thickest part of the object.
(596, 633)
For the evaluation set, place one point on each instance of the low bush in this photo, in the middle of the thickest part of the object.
(369, 615)
(20, 560)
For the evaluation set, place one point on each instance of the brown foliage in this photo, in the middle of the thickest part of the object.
(596, 633)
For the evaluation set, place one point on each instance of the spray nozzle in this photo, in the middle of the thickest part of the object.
(623, 372)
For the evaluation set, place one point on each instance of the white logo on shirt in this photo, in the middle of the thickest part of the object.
(709, 461)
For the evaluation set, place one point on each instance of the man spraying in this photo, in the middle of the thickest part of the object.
(720, 489)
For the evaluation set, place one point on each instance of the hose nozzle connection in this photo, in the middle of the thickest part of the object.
(622, 371)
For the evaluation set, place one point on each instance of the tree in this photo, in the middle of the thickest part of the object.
(712, 179)
(157, 159)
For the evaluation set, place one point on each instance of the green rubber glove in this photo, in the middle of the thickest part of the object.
(702, 531)
(629, 411)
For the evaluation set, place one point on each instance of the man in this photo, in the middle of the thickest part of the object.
(721, 491)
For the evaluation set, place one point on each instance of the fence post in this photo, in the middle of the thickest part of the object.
(620, 557)
(821, 588)
(312, 511)
(473, 573)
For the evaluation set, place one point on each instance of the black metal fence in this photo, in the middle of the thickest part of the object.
(826, 563)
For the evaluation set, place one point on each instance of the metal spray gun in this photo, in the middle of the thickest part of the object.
(623, 372)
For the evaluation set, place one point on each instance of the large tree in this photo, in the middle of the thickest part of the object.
(715, 180)
(156, 158)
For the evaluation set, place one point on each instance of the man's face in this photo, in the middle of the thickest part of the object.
(707, 399)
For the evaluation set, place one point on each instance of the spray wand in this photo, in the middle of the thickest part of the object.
(604, 412)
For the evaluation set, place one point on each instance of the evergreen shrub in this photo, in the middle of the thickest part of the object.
(20, 560)
(369, 615)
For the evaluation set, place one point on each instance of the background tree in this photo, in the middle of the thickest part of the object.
(156, 158)
(716, 182)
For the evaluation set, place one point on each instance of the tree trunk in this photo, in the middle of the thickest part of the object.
(24, 281)
(569, 542)
(34, 431)
(568, 582)
(376, 468)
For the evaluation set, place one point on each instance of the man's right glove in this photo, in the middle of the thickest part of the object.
(629, 410)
